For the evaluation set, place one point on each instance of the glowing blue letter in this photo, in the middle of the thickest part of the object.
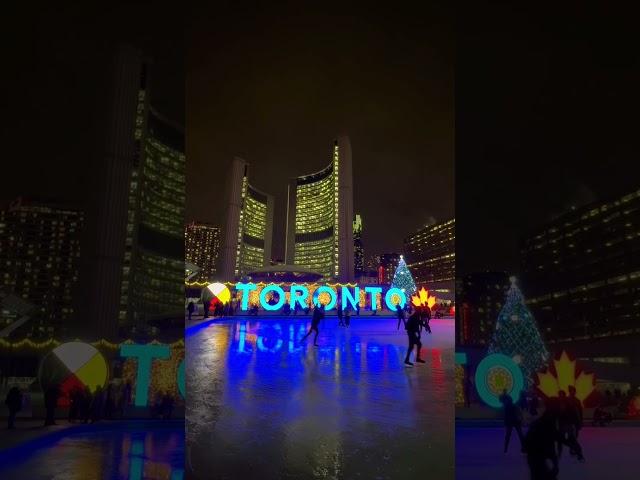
(390, 293)
(374, 292)
(332, 294)
(263, 297)
(353, 300)
(145, 355)
(245, 288)
(298, 294)
(276, 347)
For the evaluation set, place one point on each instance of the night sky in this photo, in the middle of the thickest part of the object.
(546, 107)
(547, 104)
(276, 87)
(55, 72)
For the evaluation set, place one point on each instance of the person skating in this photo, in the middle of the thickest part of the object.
(413, 333)
(570, 421)
(512, 420)
(50, 403)
(190, 308)
(14, 404)
(400, 313)
(426, 318)
(318, 313)
(340, 321)
(540, 445)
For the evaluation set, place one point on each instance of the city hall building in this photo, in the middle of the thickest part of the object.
(320, 217)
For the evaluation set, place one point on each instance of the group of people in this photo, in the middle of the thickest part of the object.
(106, 403)
(557, 427)
(418, 320)
(84, 406)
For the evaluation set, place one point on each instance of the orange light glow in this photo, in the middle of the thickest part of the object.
(422, 299)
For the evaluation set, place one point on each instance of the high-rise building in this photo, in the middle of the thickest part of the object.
(248, 231)
(479, 299)
(320, 217)
(202, 245)
(135, 261)
(373, 262)
(431, 255)
(358, 248)
(39, 262)
(388, 266)
(581, 274)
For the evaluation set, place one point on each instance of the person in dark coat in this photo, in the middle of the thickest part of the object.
(14, 404)
(318, 313)
(540, 445)
(50, 404)
(426, 318)
(570, 422)
(512, 420)
(191, 308)
(206, 304)
(413, 333)
(339, 312)
(400, 313)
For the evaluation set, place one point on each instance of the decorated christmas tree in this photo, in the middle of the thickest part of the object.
(403, 280)
(517, 336)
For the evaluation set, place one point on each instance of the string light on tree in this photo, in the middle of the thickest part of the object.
(517, 335)
(403, 279)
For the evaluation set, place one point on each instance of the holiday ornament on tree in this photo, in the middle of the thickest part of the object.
(517, 336)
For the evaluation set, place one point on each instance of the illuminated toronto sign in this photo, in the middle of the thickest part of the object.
(145, 355)
(496, 372)
(273, 297)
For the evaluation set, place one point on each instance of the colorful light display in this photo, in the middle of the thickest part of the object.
(403, 279)
(562, 375)
(494, 374)
(73, 365)
(220, 292)
(327, 295)
(517, 335)
(422, 299)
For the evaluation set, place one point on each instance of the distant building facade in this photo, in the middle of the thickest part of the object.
(358, 248)
(387, 267)
(320, 218)
(202, 246)
(135, 248)
(430, 254)
(39, 262)
(248, 231)
(581, 276)
(479, 299)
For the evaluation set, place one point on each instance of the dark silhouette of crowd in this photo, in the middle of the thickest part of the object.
(558, 427)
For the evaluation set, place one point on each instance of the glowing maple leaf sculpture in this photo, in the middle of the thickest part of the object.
(564, 375)
(422, 299)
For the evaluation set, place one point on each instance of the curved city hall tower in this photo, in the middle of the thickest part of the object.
(246, 243)
(320, 217)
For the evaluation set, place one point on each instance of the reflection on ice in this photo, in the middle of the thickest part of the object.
(261, 403)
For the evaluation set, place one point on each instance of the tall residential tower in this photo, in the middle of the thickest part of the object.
(246, 241)
(320, 217)
(202, 245)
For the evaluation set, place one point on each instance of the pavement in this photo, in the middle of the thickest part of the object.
(28, 429)
(263, 404)
(611, 453)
